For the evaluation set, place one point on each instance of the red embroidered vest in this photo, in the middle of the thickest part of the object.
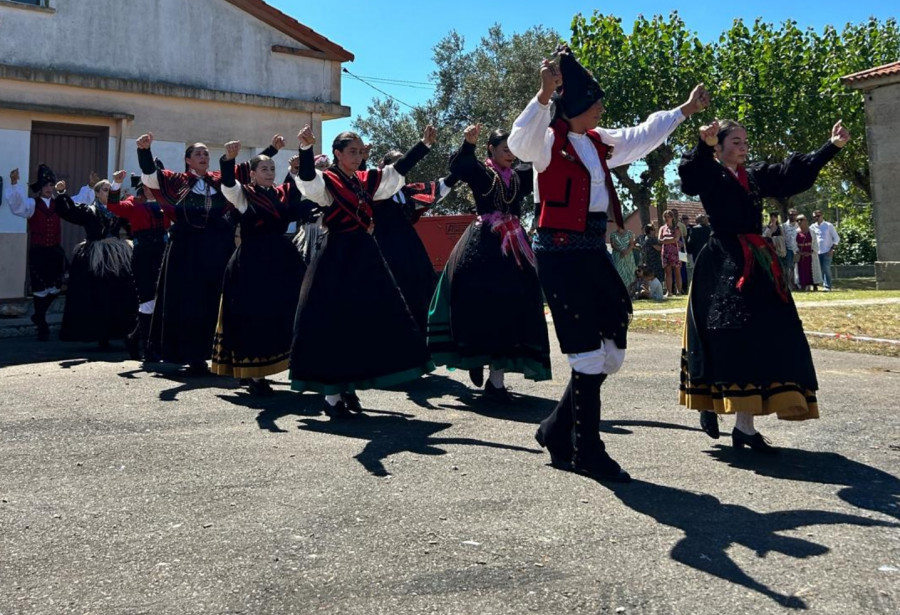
(351, 209)
(565, 185)
(43, 226)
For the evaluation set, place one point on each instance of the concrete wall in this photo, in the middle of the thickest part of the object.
(883, 134)
(200, 43)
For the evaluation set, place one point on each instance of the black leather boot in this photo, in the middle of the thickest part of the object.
(555, 432)
(589, 456)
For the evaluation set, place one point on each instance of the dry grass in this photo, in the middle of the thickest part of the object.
(845, 322)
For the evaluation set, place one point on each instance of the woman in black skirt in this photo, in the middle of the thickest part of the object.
(401, 245)
(739, 301)
(263, 277)
(353, 329)
(201, 240)
(488, 308)
(101, 300)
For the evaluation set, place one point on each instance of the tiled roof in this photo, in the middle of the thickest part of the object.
(873, 73)
(288, 25)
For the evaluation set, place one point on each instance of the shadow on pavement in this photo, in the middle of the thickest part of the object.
(865, 487)
(279, 404)
(618, 427)
(176, 373)
(25, 350)
(711, 528)
(392, 433)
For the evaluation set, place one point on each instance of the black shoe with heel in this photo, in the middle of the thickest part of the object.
(756, 442)
(709, 423)
(351, 401)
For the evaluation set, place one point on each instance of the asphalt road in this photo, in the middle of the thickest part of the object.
(131, 492)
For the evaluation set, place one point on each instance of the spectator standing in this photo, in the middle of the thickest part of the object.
(789, 229)
(651, 250)
(827, 237)
(622, 242)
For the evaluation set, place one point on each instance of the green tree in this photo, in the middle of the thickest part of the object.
(652, 68)
(489, 84)
(783, 84)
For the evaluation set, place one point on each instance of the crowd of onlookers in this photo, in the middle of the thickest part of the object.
(658, 263)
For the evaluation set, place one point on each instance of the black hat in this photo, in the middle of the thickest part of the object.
(579, 90)
(45, 176)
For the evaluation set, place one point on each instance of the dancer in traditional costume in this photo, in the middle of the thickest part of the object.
(46, 258)
(488, 310)
(309, 238)
(101, 299)
(739, 300)
(263, 277)
(201, 240)
(353, 329)
(590, 304)
(401, 246)
(149, 223)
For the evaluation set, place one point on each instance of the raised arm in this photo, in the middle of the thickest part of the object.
(310, 180)
(393, 176)
(633, 143)
(19, 202)
(231, 187)
(699, 164)
(799, 172)
(531, 138)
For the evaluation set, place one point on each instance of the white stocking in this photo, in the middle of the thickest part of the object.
(744, 423)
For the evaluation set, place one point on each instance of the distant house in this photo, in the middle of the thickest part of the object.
(79, 81)
(881, 89)
(691, 209)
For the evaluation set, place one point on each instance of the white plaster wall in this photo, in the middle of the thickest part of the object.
(15, 147)
(14, 151)
(201, 43)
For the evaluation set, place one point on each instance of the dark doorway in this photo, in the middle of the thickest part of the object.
(72, 151)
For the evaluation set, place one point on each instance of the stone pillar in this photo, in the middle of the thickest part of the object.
(883, 132)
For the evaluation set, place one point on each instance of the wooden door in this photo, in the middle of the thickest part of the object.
(72, 151)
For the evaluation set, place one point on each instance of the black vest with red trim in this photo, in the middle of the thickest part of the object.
(565, 185)
(353, 197)
(43, 226)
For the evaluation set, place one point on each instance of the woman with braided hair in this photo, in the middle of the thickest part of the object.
(488, 310)
(739, 299)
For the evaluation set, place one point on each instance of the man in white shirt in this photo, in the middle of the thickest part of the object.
(789, 229)
(827, 237)
(591, 308)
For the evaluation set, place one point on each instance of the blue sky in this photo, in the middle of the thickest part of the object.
(393, 40)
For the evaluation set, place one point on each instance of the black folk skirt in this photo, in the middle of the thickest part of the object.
(101, 298)
(189, 291)
(487, 310)
(353, 329)
(46, 267)
(408, 260)
(259, 301)
(743, 350)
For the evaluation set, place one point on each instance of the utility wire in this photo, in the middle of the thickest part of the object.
(394, 98)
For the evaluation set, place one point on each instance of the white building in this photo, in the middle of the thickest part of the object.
(81, 80)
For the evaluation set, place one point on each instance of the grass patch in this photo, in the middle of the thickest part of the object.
(880, 321)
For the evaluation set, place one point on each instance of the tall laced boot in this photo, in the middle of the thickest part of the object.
(589, 456)
(555, 432)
